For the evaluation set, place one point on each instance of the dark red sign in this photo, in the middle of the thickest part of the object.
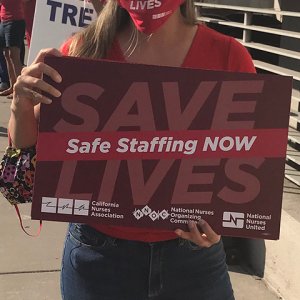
(153, 147)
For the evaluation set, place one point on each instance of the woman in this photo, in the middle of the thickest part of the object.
(29, 9)
(108, 262)
(12, 31)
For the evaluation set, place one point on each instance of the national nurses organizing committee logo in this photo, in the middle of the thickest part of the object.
(148, 212)
(65, 206)
(233, 219)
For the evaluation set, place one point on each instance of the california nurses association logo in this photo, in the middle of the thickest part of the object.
(65, 206)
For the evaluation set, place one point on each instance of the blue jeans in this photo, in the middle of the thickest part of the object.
(96, 266)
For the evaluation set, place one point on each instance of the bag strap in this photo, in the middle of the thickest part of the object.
(21, 223)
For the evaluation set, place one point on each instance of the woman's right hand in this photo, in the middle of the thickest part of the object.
(29, 85)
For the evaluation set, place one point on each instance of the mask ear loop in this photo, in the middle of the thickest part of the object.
(21, 223)
(17, 209)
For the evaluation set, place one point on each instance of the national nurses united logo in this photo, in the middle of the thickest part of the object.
(233, 219)
(148, 212)
(65, 206)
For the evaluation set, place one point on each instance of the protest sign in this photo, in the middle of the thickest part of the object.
(153, 147)
(57, 20)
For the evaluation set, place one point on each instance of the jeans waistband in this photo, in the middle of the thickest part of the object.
(96, 235)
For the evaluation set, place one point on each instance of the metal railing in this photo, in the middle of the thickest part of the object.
(247, 28)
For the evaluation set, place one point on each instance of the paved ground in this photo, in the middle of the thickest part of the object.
(29, 267)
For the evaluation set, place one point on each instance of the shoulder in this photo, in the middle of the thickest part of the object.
(231, 55)
(239, 59)
(214, 38)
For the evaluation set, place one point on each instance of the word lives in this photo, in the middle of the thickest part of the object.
(145, 5)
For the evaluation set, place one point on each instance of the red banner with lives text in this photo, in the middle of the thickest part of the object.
(153, 147)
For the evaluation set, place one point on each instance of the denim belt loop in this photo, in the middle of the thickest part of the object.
(155, 269)
(112, 240)
(181, 241)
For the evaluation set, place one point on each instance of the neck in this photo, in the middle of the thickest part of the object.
(167, 46)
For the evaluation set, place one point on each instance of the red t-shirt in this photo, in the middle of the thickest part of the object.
(210, 50)
(11, 10)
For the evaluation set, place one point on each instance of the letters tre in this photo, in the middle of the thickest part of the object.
(70, 14)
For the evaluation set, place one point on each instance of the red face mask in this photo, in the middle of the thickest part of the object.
(149, 15)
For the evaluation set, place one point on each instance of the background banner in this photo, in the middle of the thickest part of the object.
(153, 147)
(55, 21)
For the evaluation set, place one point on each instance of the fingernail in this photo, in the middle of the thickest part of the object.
(191, 224)
(58, 79)
(57, 93)
(201, 222)
(178, 232)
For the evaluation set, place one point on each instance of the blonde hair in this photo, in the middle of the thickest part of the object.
(96, 40)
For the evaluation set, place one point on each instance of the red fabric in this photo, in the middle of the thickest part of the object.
(149, 16)
(29, 9)
(210, 50)
(12, 10)
(263, 146)
(22, 226)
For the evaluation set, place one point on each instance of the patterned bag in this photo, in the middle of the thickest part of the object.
(17, 170)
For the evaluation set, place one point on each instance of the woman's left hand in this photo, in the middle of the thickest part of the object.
(205, 239)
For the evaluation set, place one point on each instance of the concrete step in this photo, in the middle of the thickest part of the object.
(271, 49)
(293, 158)
(295, 104)
(292, 171)
(281, 32)
(294, 138)
(248, 9)
(282, 268)
(276, 69)
(275, 260)
(292, 174)
(295, 120)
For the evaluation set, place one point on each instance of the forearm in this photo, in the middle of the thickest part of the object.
(22, 128)
(28, 95)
